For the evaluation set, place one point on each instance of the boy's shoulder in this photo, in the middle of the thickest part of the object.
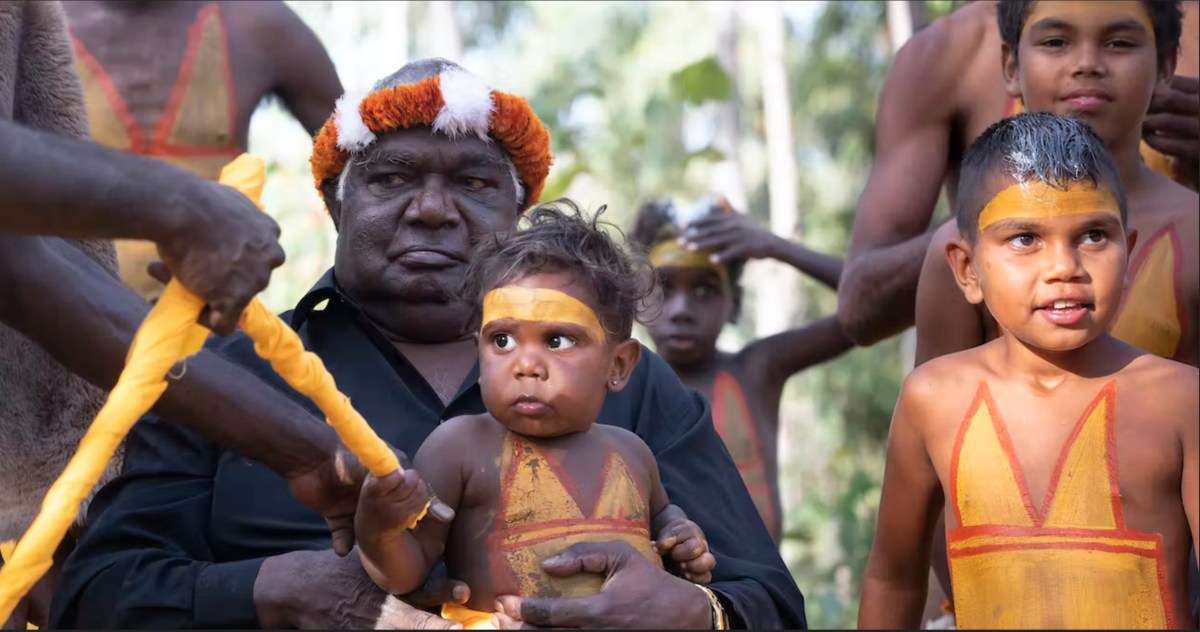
(1160, 382)
(936, 393)
(930, 381)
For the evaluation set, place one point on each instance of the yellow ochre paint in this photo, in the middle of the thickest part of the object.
(670, 254)
(540, 515)
(1038, 200)
(1071, 563)
(1149, 317)
(539, 305)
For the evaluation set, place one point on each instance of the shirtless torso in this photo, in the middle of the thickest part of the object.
(180, 81)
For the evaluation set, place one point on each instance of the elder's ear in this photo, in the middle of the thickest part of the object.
(329, 194)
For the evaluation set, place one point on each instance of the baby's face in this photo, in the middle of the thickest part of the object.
(544, 357)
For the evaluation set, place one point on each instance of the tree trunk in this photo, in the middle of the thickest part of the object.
(778, 297)
(727, 174)
(444, 36)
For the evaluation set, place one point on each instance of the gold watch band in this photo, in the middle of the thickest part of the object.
(719, 620)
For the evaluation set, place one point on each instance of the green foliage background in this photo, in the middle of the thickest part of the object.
(627, 88)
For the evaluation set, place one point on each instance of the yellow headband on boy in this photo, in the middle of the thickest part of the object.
(539, 304)
(669, 254)
(1040, 200)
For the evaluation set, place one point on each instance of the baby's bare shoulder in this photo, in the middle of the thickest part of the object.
(624, 441)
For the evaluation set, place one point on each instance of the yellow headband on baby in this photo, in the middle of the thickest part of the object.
(539, 304)
(1040, 200)
(669, 254)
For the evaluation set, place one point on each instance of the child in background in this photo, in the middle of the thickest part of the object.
(698, 253)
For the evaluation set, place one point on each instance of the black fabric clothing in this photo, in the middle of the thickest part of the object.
(177, 540)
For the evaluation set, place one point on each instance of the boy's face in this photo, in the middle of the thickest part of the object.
(545, 361)
(1049, 264)
(696, 304)
(1093, 60)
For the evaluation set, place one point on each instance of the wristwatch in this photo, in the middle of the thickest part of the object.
(719, 620)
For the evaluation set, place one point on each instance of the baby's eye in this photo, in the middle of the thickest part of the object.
(504, 341)
(559, 342)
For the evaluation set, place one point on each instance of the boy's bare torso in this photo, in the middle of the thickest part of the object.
(1041, 425)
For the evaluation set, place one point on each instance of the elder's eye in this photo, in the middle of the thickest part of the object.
(504, 341)
(559, 342)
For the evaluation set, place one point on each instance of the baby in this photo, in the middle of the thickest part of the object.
(535, 474)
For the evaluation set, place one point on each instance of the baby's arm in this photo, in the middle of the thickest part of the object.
(399, 559)
(896, 577)
(683, 540)
(674, 534)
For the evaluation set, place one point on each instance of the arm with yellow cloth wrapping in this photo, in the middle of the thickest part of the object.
(168, 335)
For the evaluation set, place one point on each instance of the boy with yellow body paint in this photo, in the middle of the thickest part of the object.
(1066, 462)
(1101, 62)
(535, 474)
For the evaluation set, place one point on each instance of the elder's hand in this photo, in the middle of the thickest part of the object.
(636, 594)
(319, 590)
(223, 248)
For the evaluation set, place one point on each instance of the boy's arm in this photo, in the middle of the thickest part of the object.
(913, 133)
(946, 322)
(304, 75)
(895, 581)
(1190, 436)
(785, 354)
(396, 558)
(733, 236)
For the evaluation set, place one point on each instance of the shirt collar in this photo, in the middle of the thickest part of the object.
(326, 288)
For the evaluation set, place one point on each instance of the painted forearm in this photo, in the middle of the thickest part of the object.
(86, 319)
(877, 293)
(827, 269)
(54, 185)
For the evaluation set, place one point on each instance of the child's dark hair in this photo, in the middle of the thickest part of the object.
(654, 224)
(1166, 16)
(1032, 146)
(558, 237)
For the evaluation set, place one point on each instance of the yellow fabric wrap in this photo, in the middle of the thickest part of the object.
(169, 334)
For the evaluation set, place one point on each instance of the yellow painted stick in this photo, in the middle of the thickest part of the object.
(169, 334)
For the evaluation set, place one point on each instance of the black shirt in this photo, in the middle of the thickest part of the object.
(177, 539)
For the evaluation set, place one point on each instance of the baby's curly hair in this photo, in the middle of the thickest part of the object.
(557, 237)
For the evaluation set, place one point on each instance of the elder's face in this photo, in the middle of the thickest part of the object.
(413, 207)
